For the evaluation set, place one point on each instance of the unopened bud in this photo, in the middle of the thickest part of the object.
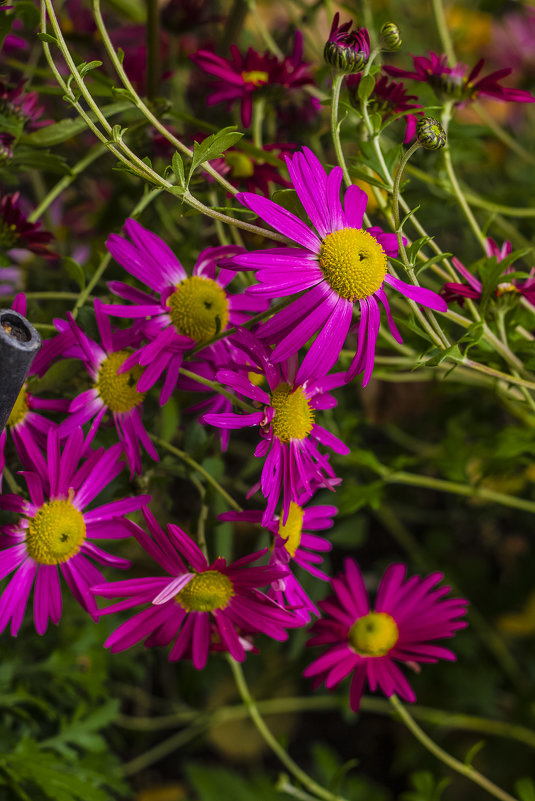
(430, 133)
(389, 36)
(346, 50)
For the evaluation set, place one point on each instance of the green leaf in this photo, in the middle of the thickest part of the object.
(438, 257)
(66, 129)
(47, 37)
(75, 271)
(83, 69)
(525, 789)
(28, 158)
(472, 753)
(453, 352)
(366, 86)
(178, 168)
(213, 146)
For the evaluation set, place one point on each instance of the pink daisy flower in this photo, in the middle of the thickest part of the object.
(190, 310)
(54, 531)
(347, 50)
(243, 76)
(474, 288)
(331, 271)
(286, 421)
(294, 542)
(408, 615)
(454, 82)
(203, 607)
(114, 392)
(17, 232)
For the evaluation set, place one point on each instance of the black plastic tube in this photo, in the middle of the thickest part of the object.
(19, 342)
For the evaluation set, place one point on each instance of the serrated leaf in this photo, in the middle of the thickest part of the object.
(453, 352)
(75, 271)
(366, 87)
(213, 146)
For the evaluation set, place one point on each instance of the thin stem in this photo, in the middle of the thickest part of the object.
(505, 137)
(335, 125)
(465, 770)
(474, 225)
(278, 750)
(216, 387)
(455, 487)
(141, 105)
(258, 119)
(185, 457)
(95, 153)
(153, 49)
(443, 31)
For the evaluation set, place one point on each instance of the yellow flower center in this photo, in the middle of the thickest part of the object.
(293, 416)
(199, 308)
(20, 409)
(256, 77)
(118, 390)
(241, 166)
(374, 634)
(56, 533)
(257, 379)
(353, 262)
(206, 592)
(291, 530)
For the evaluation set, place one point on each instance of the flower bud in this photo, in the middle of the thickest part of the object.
(430, 133)
(389, 36)
(346, 50)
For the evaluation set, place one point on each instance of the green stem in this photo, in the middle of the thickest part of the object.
(143, 108)
(502, 134)
(258, 119)
(465, 770)
(443, 31)
(335, 125)
(153, 49)
(454, 487)
(199, 468)
(315, 788)
(94, 154)
(446, 152)
(216, 387)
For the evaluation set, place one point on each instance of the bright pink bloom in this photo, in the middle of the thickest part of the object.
(330, 271)
(190, 310)
(294, 542)
(112, 392)
(408, 616)
(54, 531)
(286, 423)
(388, 98)
(455, 83)
(243, 76)
(203, 607)
(474, 288)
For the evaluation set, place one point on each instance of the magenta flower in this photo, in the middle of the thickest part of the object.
(243, 76)
(19, 107)
(54, 531)
(455, 83)
(112, 391)
(254, 173)
(203, 607)
(17, 232)
(330, 271)
(407, 616)
(286, 421)
(294, 542)
(474, 288)
(388, 98)
(190, 310)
